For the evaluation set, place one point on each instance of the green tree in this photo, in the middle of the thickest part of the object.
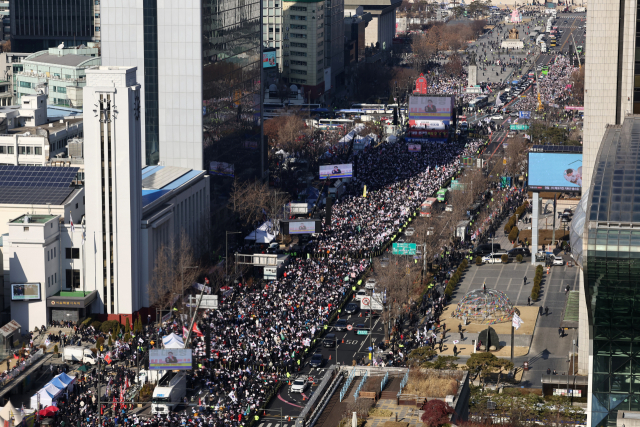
(127, 326)
(483, 363)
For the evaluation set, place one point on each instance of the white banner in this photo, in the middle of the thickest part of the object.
(516, 321)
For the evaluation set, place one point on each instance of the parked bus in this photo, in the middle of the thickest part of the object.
(442, 194)
(330, 124)
(545, 69)
(351, 113)
(378, 108)
(425, 207)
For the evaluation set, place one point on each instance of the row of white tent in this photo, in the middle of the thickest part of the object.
(49, 394)
(11, 416)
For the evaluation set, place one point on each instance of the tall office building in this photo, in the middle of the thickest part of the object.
(610, 245)
(41, 24)
(199, 64)
(113, 187)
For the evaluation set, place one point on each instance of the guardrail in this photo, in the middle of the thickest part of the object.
(384, 381)
(364, 379)
(403, 383)
(17, 371)
(352, 374)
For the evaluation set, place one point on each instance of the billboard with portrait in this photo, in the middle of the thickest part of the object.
(222, 169)
(414, 148)
(423, 108)
(555, 171)
(269, 58)
(302, 227)
(25, 292)
(170, 359)
(336, 171)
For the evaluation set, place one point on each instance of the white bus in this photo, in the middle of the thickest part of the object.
(334, 124)
(378, 108)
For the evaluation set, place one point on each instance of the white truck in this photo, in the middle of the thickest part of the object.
(543, 47)
(580, 9)
(170, 391)
(78, 354)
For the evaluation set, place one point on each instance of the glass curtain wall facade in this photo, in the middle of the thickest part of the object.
(231, 61)
(151, 118)
(612, 272)
(40, 24)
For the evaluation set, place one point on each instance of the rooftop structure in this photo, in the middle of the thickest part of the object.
(58, 72)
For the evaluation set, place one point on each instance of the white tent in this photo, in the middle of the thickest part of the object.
(172, 341)
(10, 412)
(262, 234)
(46, 399)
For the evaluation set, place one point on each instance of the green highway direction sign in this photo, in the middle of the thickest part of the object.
(518, 127)
(404, 249)
(363, 332)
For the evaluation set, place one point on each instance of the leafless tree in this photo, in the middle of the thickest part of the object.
(251, 201)
(175, 269)
(516, 155)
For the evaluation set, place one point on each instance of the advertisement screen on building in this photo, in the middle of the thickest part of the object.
(302, 227)
(268, 58)
(423, 108)
(336, 171)
(25, 292)
(555, 171)
(222, 169)
(170, 359)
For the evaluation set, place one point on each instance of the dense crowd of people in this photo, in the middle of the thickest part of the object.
(555, 87)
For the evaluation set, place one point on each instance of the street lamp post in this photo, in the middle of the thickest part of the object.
(226, 251)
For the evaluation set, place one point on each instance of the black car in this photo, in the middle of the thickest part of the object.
(317, 360)
(519, 251)
(486, 249)
(340, 325)
(329, 340)
(351, 308)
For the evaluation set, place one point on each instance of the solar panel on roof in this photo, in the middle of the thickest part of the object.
(35, 184)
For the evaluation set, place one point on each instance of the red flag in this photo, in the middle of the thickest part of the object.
(15, 356)
(107, 358)
(196, 330)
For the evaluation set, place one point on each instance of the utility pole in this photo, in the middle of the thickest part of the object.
(575, 48)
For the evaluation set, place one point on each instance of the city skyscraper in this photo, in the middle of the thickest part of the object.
(199, 64)
(610, 243)
(41, 24)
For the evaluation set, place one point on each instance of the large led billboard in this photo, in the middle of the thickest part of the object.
(555, 171)
(268, 58)
(302, 227)
(25, 292)
(170, 359)
(425, 108)
(336, 171)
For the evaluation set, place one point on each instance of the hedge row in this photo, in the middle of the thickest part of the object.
(455, 278)
(535, 291)
(513, 220)
(513, 234)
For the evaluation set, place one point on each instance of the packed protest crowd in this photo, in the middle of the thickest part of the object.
(555, 87)
(361, 225)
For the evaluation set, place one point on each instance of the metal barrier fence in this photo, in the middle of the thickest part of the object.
(384, 381)
(403, 383)
(364, 379)
(347, 384)
(15, 372)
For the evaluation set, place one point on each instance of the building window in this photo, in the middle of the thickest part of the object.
(37, 150)
(298, 63)
(25, 84)
(73, 278)
(298, 36)
(298, 17)
(55, 277)
(298, 72)
(55, 252)
(9, 150)
(294, 53)
(97, 16)
(294, 44)
(97, 29)
(72, 253)
(298, 8)
(97, 2)
(2, 149)
(298, 27)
